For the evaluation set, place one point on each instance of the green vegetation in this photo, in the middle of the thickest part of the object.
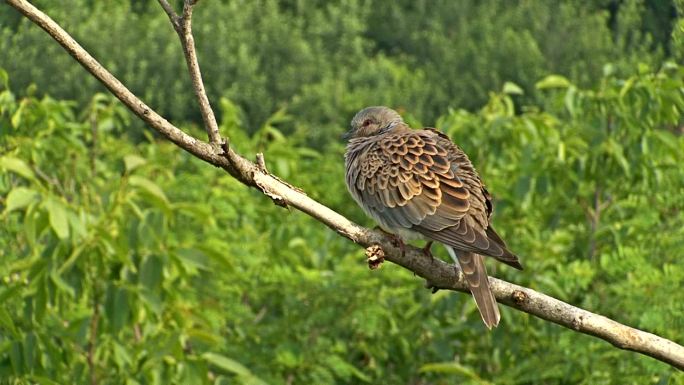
(124, 260)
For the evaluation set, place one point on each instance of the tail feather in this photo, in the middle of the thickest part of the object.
(475, 273)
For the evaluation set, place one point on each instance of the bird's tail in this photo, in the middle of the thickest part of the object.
(475, 273)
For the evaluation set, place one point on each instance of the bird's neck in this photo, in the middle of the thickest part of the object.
(399, 127)
(361, 142)
(395, 128)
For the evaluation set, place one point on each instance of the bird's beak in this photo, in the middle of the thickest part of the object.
(347, 135)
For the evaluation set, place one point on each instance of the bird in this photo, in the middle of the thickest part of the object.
(418, 184)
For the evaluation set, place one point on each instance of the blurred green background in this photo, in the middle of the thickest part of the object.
(123, 260)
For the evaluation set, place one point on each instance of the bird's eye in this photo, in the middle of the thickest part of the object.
(366, 123)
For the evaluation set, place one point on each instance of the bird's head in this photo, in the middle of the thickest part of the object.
(373, 121)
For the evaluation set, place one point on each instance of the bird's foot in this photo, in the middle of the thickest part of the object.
(396, 240)
(376, 256)
(458, 271)
(428, 252)
(429, 285)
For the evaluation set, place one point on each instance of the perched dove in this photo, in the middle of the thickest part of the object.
(418, 184)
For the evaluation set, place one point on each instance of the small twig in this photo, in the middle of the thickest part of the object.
(261, 163)
(183, 27)
(261, 166)
(137, 333)
(173, 16)
(50, 180)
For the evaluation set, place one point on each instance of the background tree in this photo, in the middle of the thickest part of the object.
(325, 60)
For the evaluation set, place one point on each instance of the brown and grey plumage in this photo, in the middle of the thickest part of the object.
(419, 184)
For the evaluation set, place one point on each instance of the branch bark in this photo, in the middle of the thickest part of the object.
(183, 26)
(437, 273)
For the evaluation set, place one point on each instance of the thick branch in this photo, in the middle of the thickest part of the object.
(183, 26)
(438, 273)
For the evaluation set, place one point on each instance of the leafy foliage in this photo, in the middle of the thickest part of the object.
(135, 263)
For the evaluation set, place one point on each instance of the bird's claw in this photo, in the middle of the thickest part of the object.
(458, 271)
(427, 251)
(396, 240)
(429, 285)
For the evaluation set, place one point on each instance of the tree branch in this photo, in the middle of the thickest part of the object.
(183, 26)
(437, 273)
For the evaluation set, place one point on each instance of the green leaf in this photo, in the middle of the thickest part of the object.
(30, 347)
(627, 87)
(78, 228)
(6, 322)
(553, 81)
(20, 197)
(117, 307)
(4, 79)
(343, 369)
(193, 259)
(153, 301)
(32, 220)
(192, 372)
(73, 257)
(62, 284)
(511, 88)
(151, 273)
(18, 166)
(18, 114)
(570, 100)
(453, 368)
(57, 215)
(132, 161)
(16, 357)
(205, 337)
(278, 117)
(227, 364)
(272, 133)
(616, 150)
(148, 186)
(43, 380)
(121, 356)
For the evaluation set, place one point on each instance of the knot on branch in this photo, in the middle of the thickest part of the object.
(578, 322)
(519, 297)
(376, 256)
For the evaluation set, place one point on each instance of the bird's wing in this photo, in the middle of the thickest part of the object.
(421, 181)
(480, 210)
